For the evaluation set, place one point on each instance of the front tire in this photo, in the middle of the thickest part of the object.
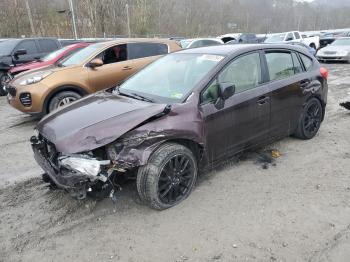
(62, 99)
(169, 176)
(310, 120)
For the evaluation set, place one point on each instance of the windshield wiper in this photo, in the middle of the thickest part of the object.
(143, 98)
(134, 95)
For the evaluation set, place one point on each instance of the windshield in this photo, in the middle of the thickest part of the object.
(185, 43)
(54, 54)
(341, 42)
(7, 46)
(171, 78)
(275, 38)
(80, 56)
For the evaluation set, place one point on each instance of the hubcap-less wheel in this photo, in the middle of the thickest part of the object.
(169, 176)
(312, 118)
(65, 101)
(175, 179)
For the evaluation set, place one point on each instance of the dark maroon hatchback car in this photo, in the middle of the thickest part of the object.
(182, 113)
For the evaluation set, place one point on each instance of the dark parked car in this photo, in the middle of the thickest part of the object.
(19, 51)
(246, 39)
(184, 112)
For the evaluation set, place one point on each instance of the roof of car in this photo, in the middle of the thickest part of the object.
(202, 38)
(226, 50)
(137, 40)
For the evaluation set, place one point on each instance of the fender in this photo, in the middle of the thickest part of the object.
(53, 92)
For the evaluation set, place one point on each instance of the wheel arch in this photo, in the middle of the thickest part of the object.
(81, 91)
(196, 148)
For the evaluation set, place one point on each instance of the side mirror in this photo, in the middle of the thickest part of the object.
(97, 62)
(226, 90)
(20, 52)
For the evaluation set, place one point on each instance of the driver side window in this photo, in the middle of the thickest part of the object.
(114, 54)
(244, 72)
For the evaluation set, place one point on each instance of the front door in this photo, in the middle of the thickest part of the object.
(116, 67)
(31, 49)
(244, 120)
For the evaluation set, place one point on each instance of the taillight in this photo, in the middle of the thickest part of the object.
(324, 72)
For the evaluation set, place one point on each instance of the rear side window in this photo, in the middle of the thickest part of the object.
(140, 50)
(307, 61)
(29, 46)
(297, 35)
(297, 65)
(280, 65)
(47, 45)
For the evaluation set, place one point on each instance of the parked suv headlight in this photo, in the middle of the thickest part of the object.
(35, 78)
(87, 166)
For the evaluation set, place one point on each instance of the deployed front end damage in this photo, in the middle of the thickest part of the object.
(98, 169)
(76, 173)
(90, 156)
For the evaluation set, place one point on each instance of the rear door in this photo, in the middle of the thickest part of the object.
(245, 118)
(32, 52)
(286, 78)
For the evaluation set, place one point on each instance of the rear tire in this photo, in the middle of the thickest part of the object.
(62, 99)
(168, 178)
(310, 120)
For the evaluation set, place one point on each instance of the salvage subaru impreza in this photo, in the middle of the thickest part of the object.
(183, 113)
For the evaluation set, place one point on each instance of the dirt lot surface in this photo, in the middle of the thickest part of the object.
(296, 210)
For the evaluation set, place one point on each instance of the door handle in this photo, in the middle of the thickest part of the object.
(127, 68)
(304, 83)
(263, 100)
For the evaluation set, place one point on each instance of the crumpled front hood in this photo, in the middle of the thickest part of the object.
(95, 121)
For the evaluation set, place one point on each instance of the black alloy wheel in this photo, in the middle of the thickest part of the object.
(175, 179)
(310, 120)
(169, 176)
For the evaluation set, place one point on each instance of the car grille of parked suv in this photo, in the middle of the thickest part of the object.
(26, 99)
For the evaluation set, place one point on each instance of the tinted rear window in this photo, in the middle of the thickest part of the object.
(140, 50)
(47, 45)
(307, 61)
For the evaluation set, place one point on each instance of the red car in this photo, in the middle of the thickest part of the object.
(49, 59)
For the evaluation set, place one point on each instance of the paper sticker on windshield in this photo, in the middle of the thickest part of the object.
(214, 58)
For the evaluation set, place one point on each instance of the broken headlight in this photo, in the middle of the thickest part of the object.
(87, 166)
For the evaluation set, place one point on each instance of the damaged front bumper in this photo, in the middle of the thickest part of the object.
(74, 173)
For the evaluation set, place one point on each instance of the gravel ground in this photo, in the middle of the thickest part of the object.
(296, 210)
